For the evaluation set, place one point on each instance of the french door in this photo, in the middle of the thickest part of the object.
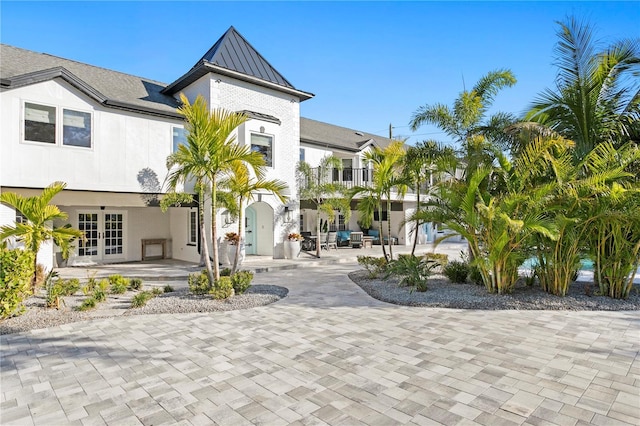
(105, 235)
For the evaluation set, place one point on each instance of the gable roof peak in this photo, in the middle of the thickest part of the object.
(233, 52)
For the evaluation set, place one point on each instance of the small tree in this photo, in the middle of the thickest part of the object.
(316, 186)
(239, 188)
(38, 227)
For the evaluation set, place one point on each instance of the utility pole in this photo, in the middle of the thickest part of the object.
(390, 134)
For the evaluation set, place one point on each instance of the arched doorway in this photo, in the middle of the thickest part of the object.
(259, 229)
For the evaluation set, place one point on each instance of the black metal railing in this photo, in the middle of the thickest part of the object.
(350, 177)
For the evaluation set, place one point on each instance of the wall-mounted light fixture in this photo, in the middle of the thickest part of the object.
(217, 80)
(288, 217)
(226, 218)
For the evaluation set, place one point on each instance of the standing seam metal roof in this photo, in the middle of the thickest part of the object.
(234, 52)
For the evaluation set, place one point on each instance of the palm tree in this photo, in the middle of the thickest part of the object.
(597, 95)
(316, 186)
(466, 122)
(387, 177)
(240, 187)
(420, 166)
(38, 227)
(208, 157)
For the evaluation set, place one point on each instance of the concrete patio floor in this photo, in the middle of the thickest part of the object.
(327, 354)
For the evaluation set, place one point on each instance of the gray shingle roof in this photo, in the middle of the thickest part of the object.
(317, 133)
(20, 67)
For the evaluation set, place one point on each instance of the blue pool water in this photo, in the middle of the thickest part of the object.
(585, 264)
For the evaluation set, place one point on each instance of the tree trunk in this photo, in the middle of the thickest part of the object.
(214, 234)
(235, 260)
(417, 225)
(384, 250)
(318, 231)
(204, 252)
(389, 227)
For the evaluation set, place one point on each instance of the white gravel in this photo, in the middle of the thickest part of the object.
(179, 301)
(441, 293)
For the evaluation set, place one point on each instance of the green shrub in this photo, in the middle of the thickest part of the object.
(168, 289)
(225, 272)
(87, 304)
(376, 266)
(118, 284)
(457, 271)
(222, 289)
(69, 287)
(413, 271)
(199, 282)
(100, 292)
(15, 280)
(157, 291)
(135, 284)
(241, 281)
(141, 299)
(475, 276)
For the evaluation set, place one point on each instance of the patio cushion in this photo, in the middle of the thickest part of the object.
(343, 236)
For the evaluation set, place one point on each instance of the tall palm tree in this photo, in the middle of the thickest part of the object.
(315, 184)
(387, 177)
(597, 94)
(209, 156)
(38, 228)
(240, 187)
(467, 123)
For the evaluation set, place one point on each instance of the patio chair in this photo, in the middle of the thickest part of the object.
(356, 240)
(332, 241)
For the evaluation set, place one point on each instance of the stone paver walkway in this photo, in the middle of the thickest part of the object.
(327, 354)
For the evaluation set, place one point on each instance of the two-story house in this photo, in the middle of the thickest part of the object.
(108, 134)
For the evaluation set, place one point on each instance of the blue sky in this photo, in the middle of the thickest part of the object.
(368, 63)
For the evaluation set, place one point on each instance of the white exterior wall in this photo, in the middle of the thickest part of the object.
(123, 144)
(234, 95)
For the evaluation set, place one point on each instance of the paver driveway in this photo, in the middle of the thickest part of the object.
(328, 354)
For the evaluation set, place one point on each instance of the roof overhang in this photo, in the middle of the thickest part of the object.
(203, 68)
(64, 74)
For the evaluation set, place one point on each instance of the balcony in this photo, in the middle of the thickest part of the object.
(354, 177)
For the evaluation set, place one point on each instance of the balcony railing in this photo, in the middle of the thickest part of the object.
(352, 177)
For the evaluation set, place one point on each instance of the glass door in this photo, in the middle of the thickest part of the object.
(105, 235)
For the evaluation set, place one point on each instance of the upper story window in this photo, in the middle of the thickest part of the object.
(264, 145)
(76, 128)
(193, 228)
(40, 125)
(302, 154)
(179, 137)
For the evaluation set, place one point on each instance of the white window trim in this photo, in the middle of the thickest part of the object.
(273, 144)
(59, 136)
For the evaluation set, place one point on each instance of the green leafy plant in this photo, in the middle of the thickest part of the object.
(456, 271)
(168, 289)
(225, 272)
(118, 284)
(157, 291)
(475, 276)
(15, 280)
(141, 299)
(53, 289)
(376, 266)
(222, 288)
(199, 282)
(413, 271)
(135, 284)
(241, 281)
(87, 304)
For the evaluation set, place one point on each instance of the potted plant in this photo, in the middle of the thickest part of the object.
(292, 245)
(232, 239)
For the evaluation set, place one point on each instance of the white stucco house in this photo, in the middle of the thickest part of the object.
(108, 134)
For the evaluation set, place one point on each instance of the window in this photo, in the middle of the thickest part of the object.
(347, 170)
(264, 145)
(76, 128)
(302, 154)
(341, 226)
(20, 218)
(179, 137)
(301, 223)
(376, 216)
(40, 125)
(193, 228)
